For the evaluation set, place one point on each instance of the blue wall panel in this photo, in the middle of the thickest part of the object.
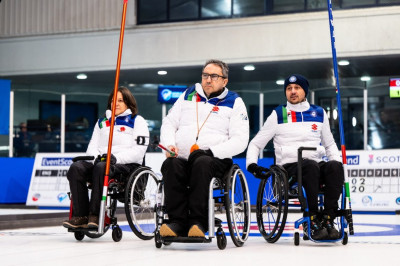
(15, 179)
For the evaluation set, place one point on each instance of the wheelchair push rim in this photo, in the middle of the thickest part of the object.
(140, 203)
(237, 203)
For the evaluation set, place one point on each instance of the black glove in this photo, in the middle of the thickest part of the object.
(198, 153)
(103, 158)
(258, 171)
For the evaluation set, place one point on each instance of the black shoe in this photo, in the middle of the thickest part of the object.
(196, 230)
(327, 222)
(76, 222)
(93, 221)
(172, 229)
(317, 231)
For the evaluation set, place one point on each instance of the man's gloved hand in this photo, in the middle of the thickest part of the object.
(198, 153)
(258, 171)
(103, 158)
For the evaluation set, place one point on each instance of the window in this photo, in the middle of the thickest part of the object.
(248, 7)
(152, 11)
(215, 8)
(184, 10)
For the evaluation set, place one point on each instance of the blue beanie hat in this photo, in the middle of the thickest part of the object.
(297, 79)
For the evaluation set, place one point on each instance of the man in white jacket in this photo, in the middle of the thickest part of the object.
(299, 124)
(207, 125)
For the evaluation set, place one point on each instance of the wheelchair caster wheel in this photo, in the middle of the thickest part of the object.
(117, 234)
(296, 239)
(305, 237)
(157, 240)
(345, 238)
(221, 239)
(79, 235)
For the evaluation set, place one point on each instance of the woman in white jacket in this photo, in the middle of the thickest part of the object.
(127, 153)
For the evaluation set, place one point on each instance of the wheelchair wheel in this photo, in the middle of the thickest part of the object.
(79, 235)
(237, 205)
(116, 234)
(140, 202)
(221, 239)
(296, 239)
(345, 239)
(272, 205)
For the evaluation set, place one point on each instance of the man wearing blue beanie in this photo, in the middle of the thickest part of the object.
(299, 80)
(296, 124)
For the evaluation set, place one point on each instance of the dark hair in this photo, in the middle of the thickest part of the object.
(128, 98)
(221, 64)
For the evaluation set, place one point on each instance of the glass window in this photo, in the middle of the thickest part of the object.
(353, 3)
(248, 7)
(322, 4)
(317, 4)
(183, 10)
(215, 8)
(152, 11)
(389, 1)
(288, 5)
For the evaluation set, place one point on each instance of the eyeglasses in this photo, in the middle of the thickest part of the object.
(213, 76)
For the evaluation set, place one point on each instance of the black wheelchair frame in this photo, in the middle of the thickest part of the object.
(233, 195)
(119, 189)
(273, 199)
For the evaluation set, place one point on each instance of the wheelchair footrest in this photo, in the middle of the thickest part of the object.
(183, 239)
(81, 229)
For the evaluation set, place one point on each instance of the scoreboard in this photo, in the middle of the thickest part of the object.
(374, 179)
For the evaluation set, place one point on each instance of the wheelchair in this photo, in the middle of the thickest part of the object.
(276, 193)
(229, 194)
(120, 189)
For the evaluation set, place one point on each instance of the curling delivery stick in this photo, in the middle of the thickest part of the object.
(349, 216)
(110, 138)
(173, 154)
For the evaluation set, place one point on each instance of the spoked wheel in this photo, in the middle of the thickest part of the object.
(237, 205)
(272, 205)
(140, 202)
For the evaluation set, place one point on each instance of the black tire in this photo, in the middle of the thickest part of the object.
(79, 235)
(221, 239)
(117, 234)
(157, 240)
(140, 202)
(237, 205)
(345, 239)
(272, 205)
(296, 239)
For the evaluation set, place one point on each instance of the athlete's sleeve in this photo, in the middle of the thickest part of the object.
(263, 136)
(328, 141)
(238, 133)
(170, 123)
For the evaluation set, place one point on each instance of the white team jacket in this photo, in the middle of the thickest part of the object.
(225, 133)
(291, 127)
(124, 145)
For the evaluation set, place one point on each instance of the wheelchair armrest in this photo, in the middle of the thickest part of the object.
(82, 158)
